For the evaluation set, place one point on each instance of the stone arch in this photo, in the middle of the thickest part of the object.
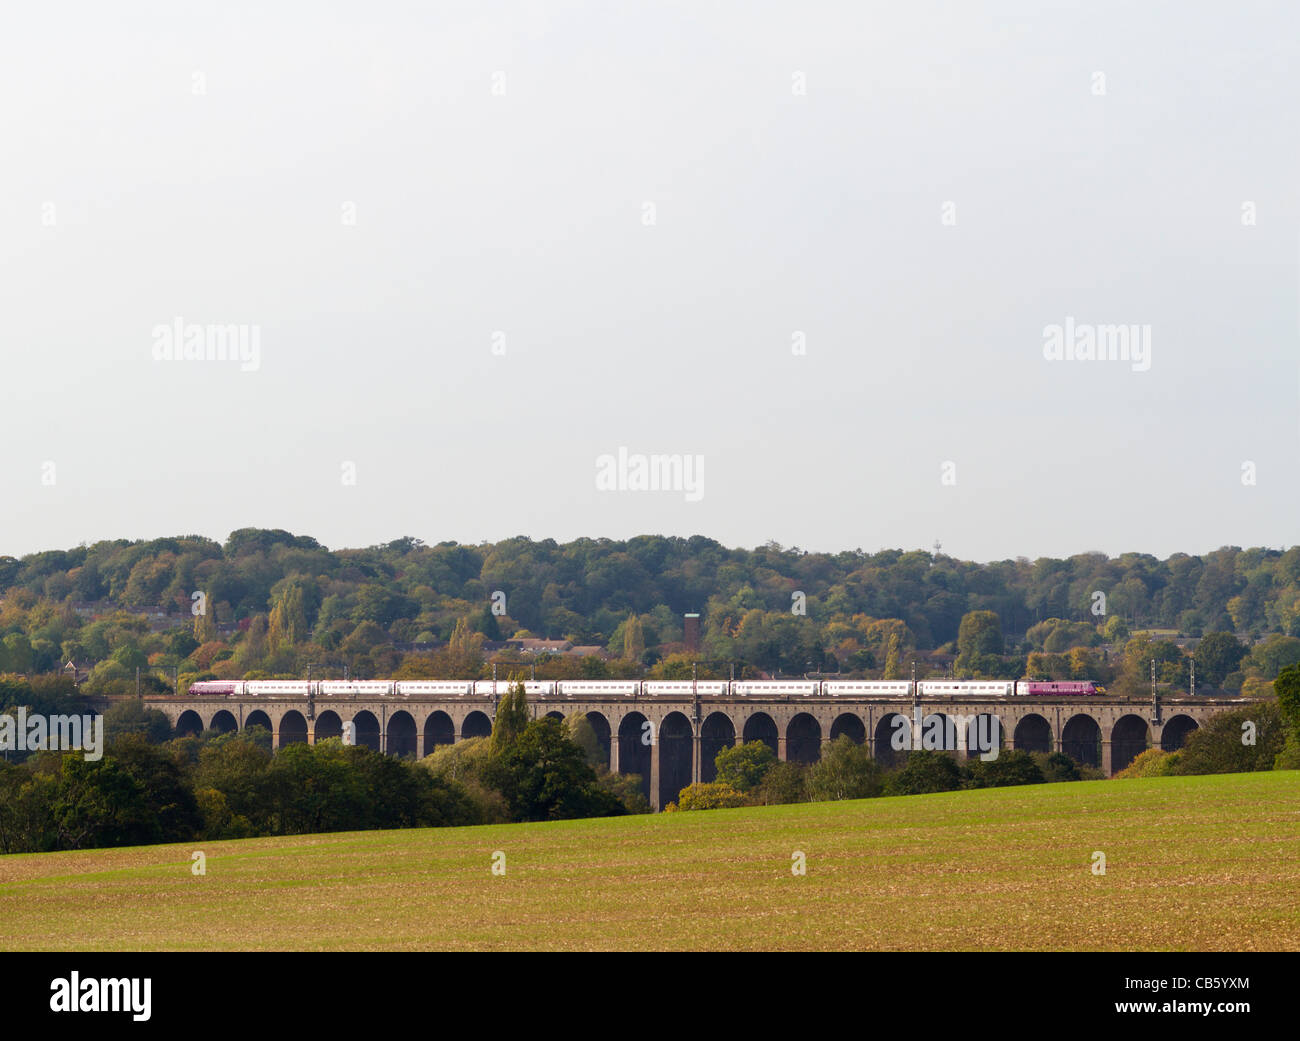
(803, 739)
(258, 718)
(716, 733)
(438, 730)
(367, 729)
(1033, 733)
(1081, 740)
(190, 723)
(987, 726)
(476, 724)
(600, 726)
(293, 728)
(888, 727)
(762, 727)
(938, 731)
(328, 725)
(633, 753)
(1129, 738)
(850, 725)
(401, 734)
(553, 714)
(1173, 735)
(224, 721)
(675, 745)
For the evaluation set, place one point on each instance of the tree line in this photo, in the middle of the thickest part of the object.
(269, 603)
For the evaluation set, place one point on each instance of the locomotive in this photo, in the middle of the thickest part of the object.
(644, 688)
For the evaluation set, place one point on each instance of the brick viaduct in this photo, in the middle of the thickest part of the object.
(671, 741)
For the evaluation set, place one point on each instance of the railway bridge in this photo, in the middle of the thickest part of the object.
(671, 741)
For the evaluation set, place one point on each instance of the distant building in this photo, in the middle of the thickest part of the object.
(692, 632)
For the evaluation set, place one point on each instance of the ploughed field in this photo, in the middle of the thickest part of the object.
(1192, 863)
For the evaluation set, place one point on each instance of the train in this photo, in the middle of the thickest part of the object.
(645, 688)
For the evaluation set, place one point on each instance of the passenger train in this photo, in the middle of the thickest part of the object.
(643, 688)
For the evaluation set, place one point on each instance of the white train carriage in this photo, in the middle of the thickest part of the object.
(278, 688)
(599, 688)
(683, 688)
(774, 688)
(867, 688)
(435, 688)
(534, 688)
(964, 688)
(356, 688)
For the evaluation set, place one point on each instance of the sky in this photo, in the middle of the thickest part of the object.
(474, 254)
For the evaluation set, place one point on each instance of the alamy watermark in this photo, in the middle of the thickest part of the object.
(635, 472)
(941, 732)
(190, 341)
(1081, 342)
(38, 733)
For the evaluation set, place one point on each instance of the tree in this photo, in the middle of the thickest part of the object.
(1287, 689)
(979, 644)
(633, 639)
(583, 734)
(925, 772)
(1011, 767)
(131, 717)
(512, 717)
(743, 766)
(784, 783)
(1217, 655)
(1240, 741)
(845, 771)
(893, 655)
(544, 776)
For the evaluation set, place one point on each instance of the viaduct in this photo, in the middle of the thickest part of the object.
(671, 741)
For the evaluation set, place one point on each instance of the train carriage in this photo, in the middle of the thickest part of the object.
(867, 688)
(683, 688)
(599, 688)
(356, 688)
(965, 688)
(773, 688)
(437, 688)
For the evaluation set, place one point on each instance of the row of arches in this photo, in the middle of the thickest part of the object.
(631, 749)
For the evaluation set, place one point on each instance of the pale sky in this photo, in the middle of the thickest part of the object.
(655, 204)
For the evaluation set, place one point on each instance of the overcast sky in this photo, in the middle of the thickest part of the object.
(478, 246)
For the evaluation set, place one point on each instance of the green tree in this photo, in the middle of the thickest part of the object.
(925, 772)
(131, 717)
(1011, 767)
(1287, 689)
(1240, 741)
(1217, 655)
(512, 717)
(544, 776)
(783, 784)
(979, 644)
(743, 766)
(633, 639)
(845, 771)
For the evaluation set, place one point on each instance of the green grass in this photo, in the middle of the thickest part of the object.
(1193, 863)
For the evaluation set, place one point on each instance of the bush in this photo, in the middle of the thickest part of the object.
(925, 772)
(782, 784)
(1056, 767)
(1154, 762)
(715, 796)
(1219, 747)
(1009, 768)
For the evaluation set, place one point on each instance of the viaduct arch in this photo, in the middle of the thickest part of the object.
(669, 742)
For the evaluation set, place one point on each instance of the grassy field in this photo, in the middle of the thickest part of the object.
(1197, 863)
